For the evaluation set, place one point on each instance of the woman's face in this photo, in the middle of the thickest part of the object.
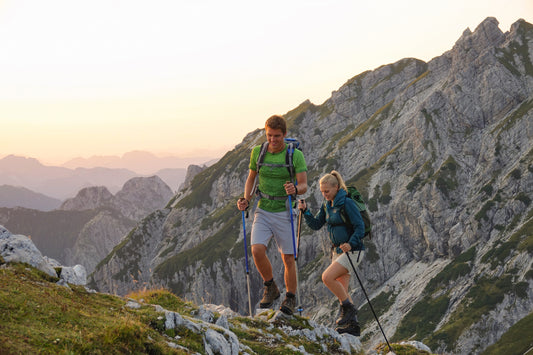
(329, 192)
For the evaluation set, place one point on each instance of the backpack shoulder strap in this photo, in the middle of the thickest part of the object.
(259, 163)
(288, 160)
(261, 156)
(344, 217)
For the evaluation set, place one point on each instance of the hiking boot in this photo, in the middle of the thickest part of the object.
(339, 314)
(289, 304)
(270, 294)
(352, 328)
(348, 314)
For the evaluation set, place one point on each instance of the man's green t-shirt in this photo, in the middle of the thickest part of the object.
(271, 179)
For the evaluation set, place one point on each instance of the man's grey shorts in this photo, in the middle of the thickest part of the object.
(356, 257)
(277, 224)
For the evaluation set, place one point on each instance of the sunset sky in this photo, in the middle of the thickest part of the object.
(84, 78)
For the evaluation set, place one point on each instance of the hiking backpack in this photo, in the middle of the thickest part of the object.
(355, 195)
(292, 144)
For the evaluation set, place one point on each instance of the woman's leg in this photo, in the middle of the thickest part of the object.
(334, 279)
(345, 281)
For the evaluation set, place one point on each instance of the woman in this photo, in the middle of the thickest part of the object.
(346, 229)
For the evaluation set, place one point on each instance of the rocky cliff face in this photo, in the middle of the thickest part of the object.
(443, 153)
(87, 227)
(138, 197)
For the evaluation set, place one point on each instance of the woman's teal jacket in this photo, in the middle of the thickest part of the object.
(351, 231)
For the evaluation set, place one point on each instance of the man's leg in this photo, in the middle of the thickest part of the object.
(288, 305)
(290, 273)
(262, 263)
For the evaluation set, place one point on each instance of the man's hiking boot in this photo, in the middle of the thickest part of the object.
(270, 294)
(289, 304)
(350, 328)
(348, 314)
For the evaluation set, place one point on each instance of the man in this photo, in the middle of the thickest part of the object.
(272, 218)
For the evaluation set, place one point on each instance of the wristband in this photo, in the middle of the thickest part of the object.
(296, 188)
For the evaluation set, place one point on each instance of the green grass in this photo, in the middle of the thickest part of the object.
(483, 297)
(521, 240)
(381, 304)
(421, 321)
(39, 316)
(423, 318)
(517, 340)
(445, 177)
(460, 266)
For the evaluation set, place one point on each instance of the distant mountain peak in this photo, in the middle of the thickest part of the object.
(139, 161)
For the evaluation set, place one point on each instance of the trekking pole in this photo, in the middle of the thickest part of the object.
(247, 269)
(300, 308)
(368, 299)
(295, 252)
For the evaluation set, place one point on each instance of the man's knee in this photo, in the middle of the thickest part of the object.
(258, 250)
(288, 259)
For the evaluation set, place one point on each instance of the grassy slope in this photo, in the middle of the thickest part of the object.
(39, 316)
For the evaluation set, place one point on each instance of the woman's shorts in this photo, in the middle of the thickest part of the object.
(276, 224)
(356, 257)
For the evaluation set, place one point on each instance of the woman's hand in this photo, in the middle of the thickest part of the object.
(346, 247)
(302, 206)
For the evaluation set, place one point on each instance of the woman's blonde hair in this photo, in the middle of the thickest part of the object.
(333, 179)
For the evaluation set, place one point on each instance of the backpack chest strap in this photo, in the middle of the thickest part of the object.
(269, 197)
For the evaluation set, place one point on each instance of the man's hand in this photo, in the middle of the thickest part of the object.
(243, 204)
(290, 188)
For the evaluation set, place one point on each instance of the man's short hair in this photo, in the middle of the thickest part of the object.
(276, 122)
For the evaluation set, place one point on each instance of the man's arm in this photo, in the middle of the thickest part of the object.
(249, 184)
(301, 178)
(243, 203)
(301, 186)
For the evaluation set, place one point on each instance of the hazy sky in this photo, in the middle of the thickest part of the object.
(104, 77)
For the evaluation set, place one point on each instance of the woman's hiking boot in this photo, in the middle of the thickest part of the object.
(270, 294)
(289, 304)
(348, 314)
(350, 328)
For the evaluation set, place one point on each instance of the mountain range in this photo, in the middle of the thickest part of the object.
(141, 162)
(85, 228)
(60, 183)
(443, 154)
(11, 196)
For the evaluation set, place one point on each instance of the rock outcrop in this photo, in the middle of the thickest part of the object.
(20, 248)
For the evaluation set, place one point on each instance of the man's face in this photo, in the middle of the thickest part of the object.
(275, 138)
